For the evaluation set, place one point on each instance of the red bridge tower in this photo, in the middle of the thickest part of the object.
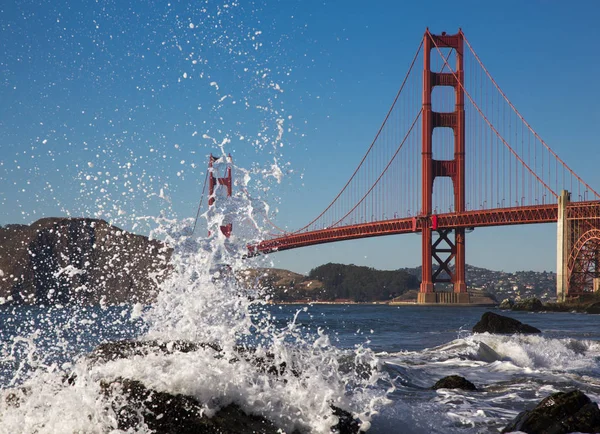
(443, 250)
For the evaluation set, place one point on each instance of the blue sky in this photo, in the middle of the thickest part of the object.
(105, 104)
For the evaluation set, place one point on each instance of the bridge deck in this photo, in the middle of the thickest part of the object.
(471, 219)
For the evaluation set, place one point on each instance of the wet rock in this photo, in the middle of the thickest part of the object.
(493, 323)
(506, 304)
(126, 349)
(79, 260)
(454, 382)
(162, 412)
(184, 416)
(346, 424)
(593, 308)
(134, 404)
(528, 305)
(562, 412)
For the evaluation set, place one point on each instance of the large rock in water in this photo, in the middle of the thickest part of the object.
(126, 349)
(562, 412)
(165, 413)
(506, 304)
(66, 260)
(593, 308)
(528, 305)
(493, 323)
(454, 382)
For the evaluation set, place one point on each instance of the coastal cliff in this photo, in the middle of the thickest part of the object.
(70, 260)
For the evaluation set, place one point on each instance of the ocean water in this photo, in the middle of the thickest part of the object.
(408, 348)
(416, 346)
(377, 362)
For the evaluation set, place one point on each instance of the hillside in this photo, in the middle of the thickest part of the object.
(282, 285)
(502, 284)
(353, 283)
(331, 282)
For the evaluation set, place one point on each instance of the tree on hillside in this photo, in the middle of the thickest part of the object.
(360, 283)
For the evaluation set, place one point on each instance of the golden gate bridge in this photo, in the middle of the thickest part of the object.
(454, 153)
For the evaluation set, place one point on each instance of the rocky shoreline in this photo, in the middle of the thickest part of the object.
(135, 404)
(589, 305)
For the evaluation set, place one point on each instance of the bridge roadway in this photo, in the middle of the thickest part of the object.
(470, 219)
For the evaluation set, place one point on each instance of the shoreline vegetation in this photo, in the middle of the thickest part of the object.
(346, 284)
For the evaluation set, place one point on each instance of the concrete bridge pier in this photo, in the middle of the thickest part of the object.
(563, 247)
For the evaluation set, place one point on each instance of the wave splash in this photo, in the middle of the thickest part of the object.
(202, 301)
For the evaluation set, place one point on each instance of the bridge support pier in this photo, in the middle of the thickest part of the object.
(443, 298)
(563, 247)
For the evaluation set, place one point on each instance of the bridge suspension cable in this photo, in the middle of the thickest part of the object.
(508, 166)
(200, 203)
(476, 106)
(529, 127)
(362, 161)
(384, 170)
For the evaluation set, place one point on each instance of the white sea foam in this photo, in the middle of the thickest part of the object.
(523, 351)
(513, 372)
(539, 352)
(203, 301)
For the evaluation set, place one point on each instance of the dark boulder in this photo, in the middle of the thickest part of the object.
(125, 349)
(454, 382)
(528, 305)
(165, 413)
(593, 308)
(562, 412)
(162, 412)
(493, 323)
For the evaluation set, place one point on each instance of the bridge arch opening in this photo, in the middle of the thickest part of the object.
(443, 195)
(584, 264)
(443, 99)
(438, 55)
(442, 146)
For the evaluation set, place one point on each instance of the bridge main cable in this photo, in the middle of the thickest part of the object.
(536, 135)
(515, 154)
(370, 147)
(384, 170)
